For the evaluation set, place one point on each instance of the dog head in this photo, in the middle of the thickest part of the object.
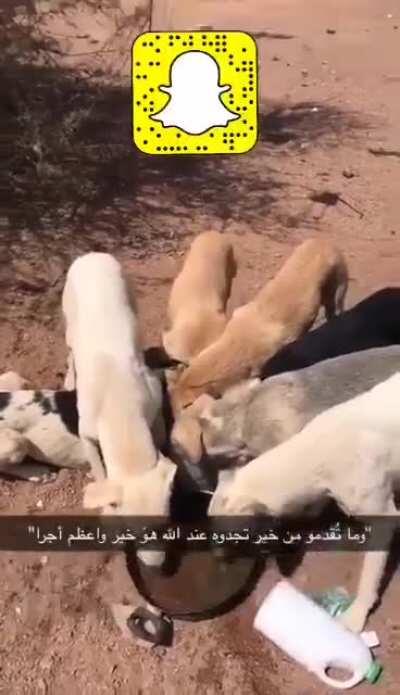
(222, 422)
(186, 433)
(145, 494)
(229, 498)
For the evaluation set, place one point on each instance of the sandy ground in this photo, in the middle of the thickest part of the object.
(327, 98)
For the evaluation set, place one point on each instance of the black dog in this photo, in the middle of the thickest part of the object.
(374, 322)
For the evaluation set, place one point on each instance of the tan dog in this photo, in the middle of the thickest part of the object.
(286, 307)
(197, 303)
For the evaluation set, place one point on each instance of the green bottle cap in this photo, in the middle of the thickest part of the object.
(374, 672)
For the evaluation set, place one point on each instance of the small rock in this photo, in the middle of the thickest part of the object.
(393, 232)
(39, 504)
(324, 62)
(304, 72)
(348, 173)
(275, 58)
(331, 31)
(18, 610)
(44, 560)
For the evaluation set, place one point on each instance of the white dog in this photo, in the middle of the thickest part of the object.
(119, 399)
(350, 453)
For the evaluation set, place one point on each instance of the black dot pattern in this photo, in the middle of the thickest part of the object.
(236, 56)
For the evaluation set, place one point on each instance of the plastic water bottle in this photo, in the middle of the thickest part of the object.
(313, 638)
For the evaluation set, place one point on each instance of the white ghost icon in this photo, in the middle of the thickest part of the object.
(195, 105)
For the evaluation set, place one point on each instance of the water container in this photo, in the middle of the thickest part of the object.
(313, 638)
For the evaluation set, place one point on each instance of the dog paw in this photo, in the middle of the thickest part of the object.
(354, 618)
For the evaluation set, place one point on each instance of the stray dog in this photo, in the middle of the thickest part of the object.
(255, 416)
(119, 399)
(42, 425)
(350, 453)
(374, 322)
(198, 298)
(315, 274)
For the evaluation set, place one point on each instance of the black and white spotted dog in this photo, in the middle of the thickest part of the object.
(41, 425)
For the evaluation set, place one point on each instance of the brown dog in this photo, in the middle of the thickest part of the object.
(197, 303)
(286, 307)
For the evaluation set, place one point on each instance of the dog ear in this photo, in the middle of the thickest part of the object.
(101, 493)
(203, 403)
(207, 418)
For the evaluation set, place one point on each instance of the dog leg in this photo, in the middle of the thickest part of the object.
(371, 575)
(340, 297)
(14, 447)
(329, 303)
(333, 296)
(70, 377)
(93, 457)
(367, 593)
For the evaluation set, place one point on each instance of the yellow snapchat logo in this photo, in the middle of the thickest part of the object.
(195, 92)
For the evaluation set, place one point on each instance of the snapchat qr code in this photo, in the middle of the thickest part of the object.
(195, 93)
